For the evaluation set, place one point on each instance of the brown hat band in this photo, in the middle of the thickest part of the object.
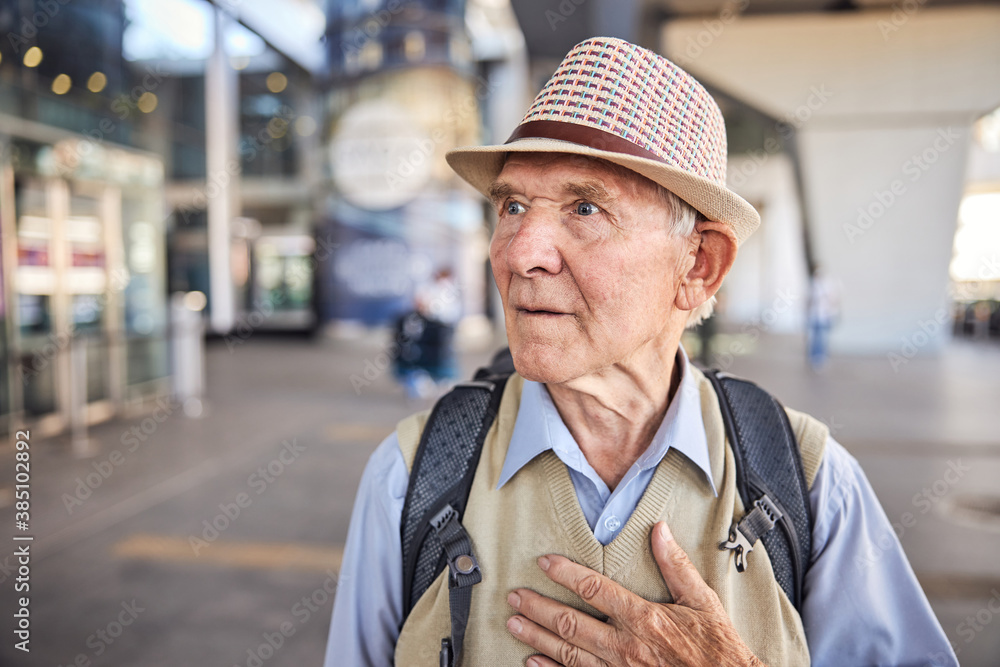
(583, 135)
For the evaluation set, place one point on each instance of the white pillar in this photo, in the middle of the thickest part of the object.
(221, 119)
(882, 103)
(884, 227)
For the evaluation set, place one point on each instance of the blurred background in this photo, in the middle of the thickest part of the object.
(233, 257)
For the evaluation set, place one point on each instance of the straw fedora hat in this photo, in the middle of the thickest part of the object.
(616, 101)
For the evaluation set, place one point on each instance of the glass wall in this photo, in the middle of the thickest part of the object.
(88, 276)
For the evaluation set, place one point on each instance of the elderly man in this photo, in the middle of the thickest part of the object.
(606, 481)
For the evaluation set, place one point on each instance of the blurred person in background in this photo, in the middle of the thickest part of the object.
(606, 484)
(426, 359)
(823, 309)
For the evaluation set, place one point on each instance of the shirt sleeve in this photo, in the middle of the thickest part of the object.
(368, 609)
(862, 603)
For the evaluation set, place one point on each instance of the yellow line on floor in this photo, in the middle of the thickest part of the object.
(249, 555)
(357, 432)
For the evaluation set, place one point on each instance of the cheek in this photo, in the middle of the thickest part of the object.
(496, 247)
(498, 263)
(610, 292)
(629, 292)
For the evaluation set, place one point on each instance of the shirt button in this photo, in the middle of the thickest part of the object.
(612, 523)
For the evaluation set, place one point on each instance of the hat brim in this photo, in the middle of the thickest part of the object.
(480, 166)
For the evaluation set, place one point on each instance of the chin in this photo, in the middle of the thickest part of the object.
(547, 364)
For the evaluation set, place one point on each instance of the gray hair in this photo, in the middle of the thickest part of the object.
(682, 218)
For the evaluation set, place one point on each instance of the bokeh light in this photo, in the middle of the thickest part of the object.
(276, 82)
(61, 84)
(32, 57)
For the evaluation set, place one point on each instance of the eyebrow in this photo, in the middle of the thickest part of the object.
(499, 191)
(590, 190)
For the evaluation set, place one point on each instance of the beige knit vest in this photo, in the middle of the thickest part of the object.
(536, 512)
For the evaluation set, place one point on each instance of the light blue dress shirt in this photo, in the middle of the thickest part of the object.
(857, 609)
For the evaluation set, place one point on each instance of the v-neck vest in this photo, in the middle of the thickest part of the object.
(537, 512)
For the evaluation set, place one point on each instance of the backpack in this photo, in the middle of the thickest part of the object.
(769, 478)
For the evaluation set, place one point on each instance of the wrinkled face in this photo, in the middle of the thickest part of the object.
(585, 263)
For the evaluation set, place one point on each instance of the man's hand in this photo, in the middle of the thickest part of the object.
(694, 630)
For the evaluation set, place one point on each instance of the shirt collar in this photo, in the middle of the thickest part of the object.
(539, 427)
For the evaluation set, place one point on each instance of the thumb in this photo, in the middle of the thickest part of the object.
(679, 573)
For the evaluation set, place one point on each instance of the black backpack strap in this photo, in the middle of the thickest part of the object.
(431, 531)
(770, 480)
(463, 574)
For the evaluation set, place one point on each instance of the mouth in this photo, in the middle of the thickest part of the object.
(539, 312)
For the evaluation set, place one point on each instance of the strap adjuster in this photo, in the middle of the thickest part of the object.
(443, 518)
(757, 522)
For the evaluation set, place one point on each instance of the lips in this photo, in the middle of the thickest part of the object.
(531, 311)
(539, 310)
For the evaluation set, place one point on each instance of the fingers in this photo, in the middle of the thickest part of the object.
(604, 595)
(541, 661)
(551, 644)
(566, 623)
(682, 578)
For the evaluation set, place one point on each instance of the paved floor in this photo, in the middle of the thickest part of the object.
(214, 541)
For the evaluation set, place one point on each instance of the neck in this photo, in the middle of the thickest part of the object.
(613, 413)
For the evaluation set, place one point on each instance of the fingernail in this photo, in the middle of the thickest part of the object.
(514, 600)
(514, 625)
(543, 563)
(665, 533)
(533, 663)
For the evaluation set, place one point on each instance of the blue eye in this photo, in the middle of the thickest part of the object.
(514, 208)
(586, 208)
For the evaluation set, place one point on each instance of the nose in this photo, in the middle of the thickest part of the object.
(533, 249)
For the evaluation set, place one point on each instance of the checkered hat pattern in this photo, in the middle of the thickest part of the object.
(640, 96)
(619, 102)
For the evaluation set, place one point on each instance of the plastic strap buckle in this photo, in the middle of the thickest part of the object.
(744, 535)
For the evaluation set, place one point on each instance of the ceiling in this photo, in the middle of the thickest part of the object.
(552, 27)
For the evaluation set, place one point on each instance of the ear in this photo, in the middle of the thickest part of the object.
(714, 249)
